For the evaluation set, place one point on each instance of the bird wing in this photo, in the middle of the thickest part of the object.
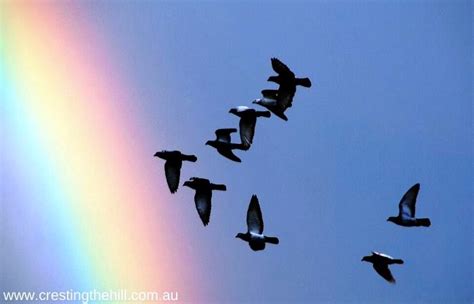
(172, 172)
(247, 129)
(254, 216)
(220, 187)
(229, 154)
(408, 201)
(285, 98)
(281, 68)
(191, 158)
(202, 199)
(224, 134)
(382, 255)
(384, 271)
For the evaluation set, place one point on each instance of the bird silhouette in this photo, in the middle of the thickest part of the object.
(203, 196)
(224, 146)
(381, 262)
(271, 102)
(287, 83)
(406, 214)
(247, 123)
(174, 161)
(254, 235)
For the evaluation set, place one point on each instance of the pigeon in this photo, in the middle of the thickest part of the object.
(287, 83)
(380, 263)
(273, 104)
(223, 145)
(406, 215)
(254, 235)
(248, 120)
(174, 161)
(286, 78)
(203, 195)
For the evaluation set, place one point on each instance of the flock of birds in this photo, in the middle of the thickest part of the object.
(276, 102)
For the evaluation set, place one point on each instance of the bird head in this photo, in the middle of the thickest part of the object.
(366, 259)
(160, 154)
(233, 111)
(240, 236)
(210, 143)
(392, 219)
(188, 184)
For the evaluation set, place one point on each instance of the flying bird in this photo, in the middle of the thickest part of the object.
(287, 83)
(174, 161)
(248, 120)
(286, 78)
(203, 196)
(223, 145)
(380, 263)
(406, 215)
(273, 103)
(254, 235)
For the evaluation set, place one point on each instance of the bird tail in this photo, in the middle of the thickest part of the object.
(272, 240)
(242, 146)
(191, 158)
(425, 222)
(220, 187)
(305, 82)
(397, 261)
(263, 114)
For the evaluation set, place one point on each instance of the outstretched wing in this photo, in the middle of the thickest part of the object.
(224, 134)
(219, 187)
(202, 199)
(172, 172)
(281, 68)
(408, 201)
(384, 271)
(229, 154)
(254, 216)
(247, 130)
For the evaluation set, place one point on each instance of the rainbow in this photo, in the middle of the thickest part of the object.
(73, 140)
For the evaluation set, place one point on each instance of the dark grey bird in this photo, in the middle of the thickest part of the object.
(254, 235)
(287, 83)
(271, 102)
(224, 146)
(286, 78)
(203, 196)
(174, 161)
(380, 263)
(406, 214)
(247, 123)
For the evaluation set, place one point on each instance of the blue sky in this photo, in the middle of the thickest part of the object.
(390, 106)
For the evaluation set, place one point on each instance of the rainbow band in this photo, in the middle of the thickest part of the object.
(90, 205)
